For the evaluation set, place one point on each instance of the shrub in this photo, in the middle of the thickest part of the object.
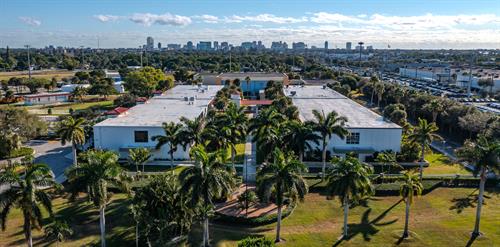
(19, 152)
(255, 242)
(247, 199)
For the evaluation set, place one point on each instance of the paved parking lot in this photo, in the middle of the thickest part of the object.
(52, 153)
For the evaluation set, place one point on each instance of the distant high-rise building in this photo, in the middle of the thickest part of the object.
(279, 46)
(224, 46)
(216, 45)
(326, 45)
(159, 46)
(369, 48)
(204, 45)
(150, 43)
(173, 47)
(348, 46)
(189, 45)
(299, 46)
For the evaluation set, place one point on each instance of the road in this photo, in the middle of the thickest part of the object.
(52, 153)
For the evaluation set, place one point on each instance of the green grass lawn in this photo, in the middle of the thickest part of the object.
(440, 218)
(63, 108)
(240, 154)
(440, 164)
(443, 217)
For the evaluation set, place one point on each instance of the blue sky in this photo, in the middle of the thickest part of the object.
(127, 23)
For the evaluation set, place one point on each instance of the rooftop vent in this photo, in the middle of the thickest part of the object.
(293, 93)
(186, 98)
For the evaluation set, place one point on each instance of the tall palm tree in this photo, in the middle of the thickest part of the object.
(58, 231)
(72, 130)
(247, 80)
(267, 129)
(424, 134)
(283, 177)
(100, 170)
(379, 90)
(236, 120)
(349, 179)
(300, 136)
(172, 137)
(25, 191)
(326, 126)
(161, 209)
(207, 180)
(191, 133)
(411, 186)
(485, 155)
(138, 157)
(435, 107)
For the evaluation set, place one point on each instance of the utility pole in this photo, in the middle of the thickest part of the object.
(29, 61)
(470, 75)
(140, 51)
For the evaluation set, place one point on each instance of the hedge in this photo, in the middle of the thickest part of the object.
(20, 152)
(392, 189)
(255, 242)
(254, 221)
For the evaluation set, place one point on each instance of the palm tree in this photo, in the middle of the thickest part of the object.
(58, 231)
(326, 126)
(379, 90)
(435, 107)
(349, 179)
(72, 130)
(100, 170)
(161, 209)
(424, 134)
(411, 186)
(139, 157)
(300, 136)
(267, 129)
(283, 177)
(247, 79)
(207, 180)
(387, 159)
(236, 120)
(172, 137)
(485, 155)
(191, 133)
(27, 193)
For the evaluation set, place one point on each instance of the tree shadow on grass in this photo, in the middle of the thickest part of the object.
(368, 227)
(469, 201)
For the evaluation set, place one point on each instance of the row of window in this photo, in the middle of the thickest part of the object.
(142, 136)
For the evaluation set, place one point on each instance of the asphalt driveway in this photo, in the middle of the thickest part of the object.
(52, 153)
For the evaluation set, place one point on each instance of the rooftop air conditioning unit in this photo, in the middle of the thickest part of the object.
(186, 98)
(293, 93)
(324, 86)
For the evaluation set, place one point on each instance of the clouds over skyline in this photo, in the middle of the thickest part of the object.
(30, 21)
(417, 31)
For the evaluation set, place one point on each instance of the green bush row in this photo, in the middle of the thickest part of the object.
(255, 242)
(20, 152)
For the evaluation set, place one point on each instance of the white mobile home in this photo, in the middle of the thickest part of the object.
(46, 98)
(369, 132)
(135, 128)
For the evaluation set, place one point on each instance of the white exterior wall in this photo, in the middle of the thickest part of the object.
(420, 74)
(376, 139)
(116, 137)
(45, 100)
(463, 81)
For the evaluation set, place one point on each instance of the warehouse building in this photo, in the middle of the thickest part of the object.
(369, 132)
(135, 127)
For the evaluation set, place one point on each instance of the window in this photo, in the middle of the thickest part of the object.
(141, 136)
(352, 138)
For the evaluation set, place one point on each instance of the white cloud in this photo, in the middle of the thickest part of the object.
(264, 18)
(324, 17)
(149, 19)
(30, 21)
(207, 18)
(107, 18)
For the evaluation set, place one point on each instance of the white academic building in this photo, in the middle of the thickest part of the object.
(369, 132)
(135, 127)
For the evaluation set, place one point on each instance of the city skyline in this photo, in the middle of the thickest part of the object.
(408, 25)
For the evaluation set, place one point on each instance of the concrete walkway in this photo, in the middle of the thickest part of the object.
(249, 166)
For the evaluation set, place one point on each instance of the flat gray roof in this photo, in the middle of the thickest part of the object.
(253, 75)
(168, 107)
(307, 98)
